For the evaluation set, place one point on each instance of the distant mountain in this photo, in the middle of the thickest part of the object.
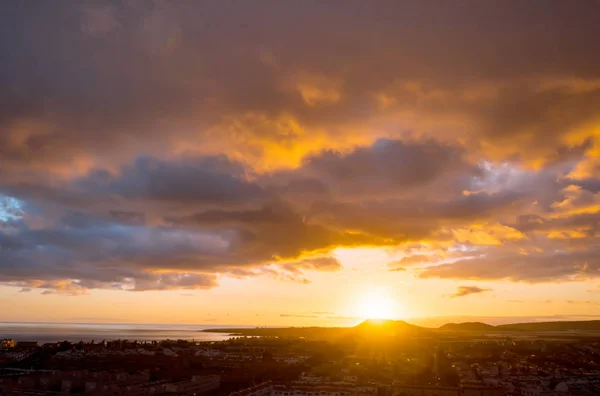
(323, 333)
(373, 328)
(552, 326)
(467, 326)
(389, 328)
(368, 329)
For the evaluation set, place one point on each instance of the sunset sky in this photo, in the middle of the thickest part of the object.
(299, 163)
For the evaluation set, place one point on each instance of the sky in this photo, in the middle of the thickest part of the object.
(299, 163)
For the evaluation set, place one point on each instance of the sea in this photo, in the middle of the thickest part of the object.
(75, 332)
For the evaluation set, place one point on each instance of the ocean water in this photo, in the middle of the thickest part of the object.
(75, 332)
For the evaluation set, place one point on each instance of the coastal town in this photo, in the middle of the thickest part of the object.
(357, 364)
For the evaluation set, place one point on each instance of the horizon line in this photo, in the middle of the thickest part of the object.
(408, 320)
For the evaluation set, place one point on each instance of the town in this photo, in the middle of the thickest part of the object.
(357, 364)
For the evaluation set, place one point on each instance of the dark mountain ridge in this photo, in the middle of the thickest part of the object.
(467, 326)
(553, 326)
(397, 328)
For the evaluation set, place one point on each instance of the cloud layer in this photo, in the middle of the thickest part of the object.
(464, 291)
(153, 146)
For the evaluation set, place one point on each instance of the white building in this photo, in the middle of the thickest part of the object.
(290, 359)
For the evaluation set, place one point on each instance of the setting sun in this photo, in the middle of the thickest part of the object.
(376, 304)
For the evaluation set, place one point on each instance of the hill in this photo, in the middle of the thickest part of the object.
(389, 328)
(294, 332)
(372, 328)
(467, 326)
(552, 326)
(368, 328)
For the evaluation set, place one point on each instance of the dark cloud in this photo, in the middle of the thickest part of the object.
(83, 252)
(232, 222)
(151, 145)
(587, 223)
(175, 281)
(463, 291)
(318, 264)
(554, 265)
(215, 179)
(175, 78)
(275, 231)
(288, 270)
(128, 217)
(388, 167)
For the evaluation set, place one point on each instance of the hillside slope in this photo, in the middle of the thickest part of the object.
(467, 326)
(553, 326)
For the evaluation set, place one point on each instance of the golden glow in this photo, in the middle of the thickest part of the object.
(316, 89)
(269, 143)
(377, 304)
(487, 234)
(362, 257)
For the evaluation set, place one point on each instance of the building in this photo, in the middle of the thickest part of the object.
(290, 359)
(582, 387)
(416, 390)
(426, 391)
(27, 344)
(537, 391)
(263, 389)
(198, 385)
(323, 389)
(303, 389)
(473, 390)
(7, 343)
(18, 355)
(307, 378)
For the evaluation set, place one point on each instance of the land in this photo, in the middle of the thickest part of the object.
(374, 358)
(402, 328)
(366, 328)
